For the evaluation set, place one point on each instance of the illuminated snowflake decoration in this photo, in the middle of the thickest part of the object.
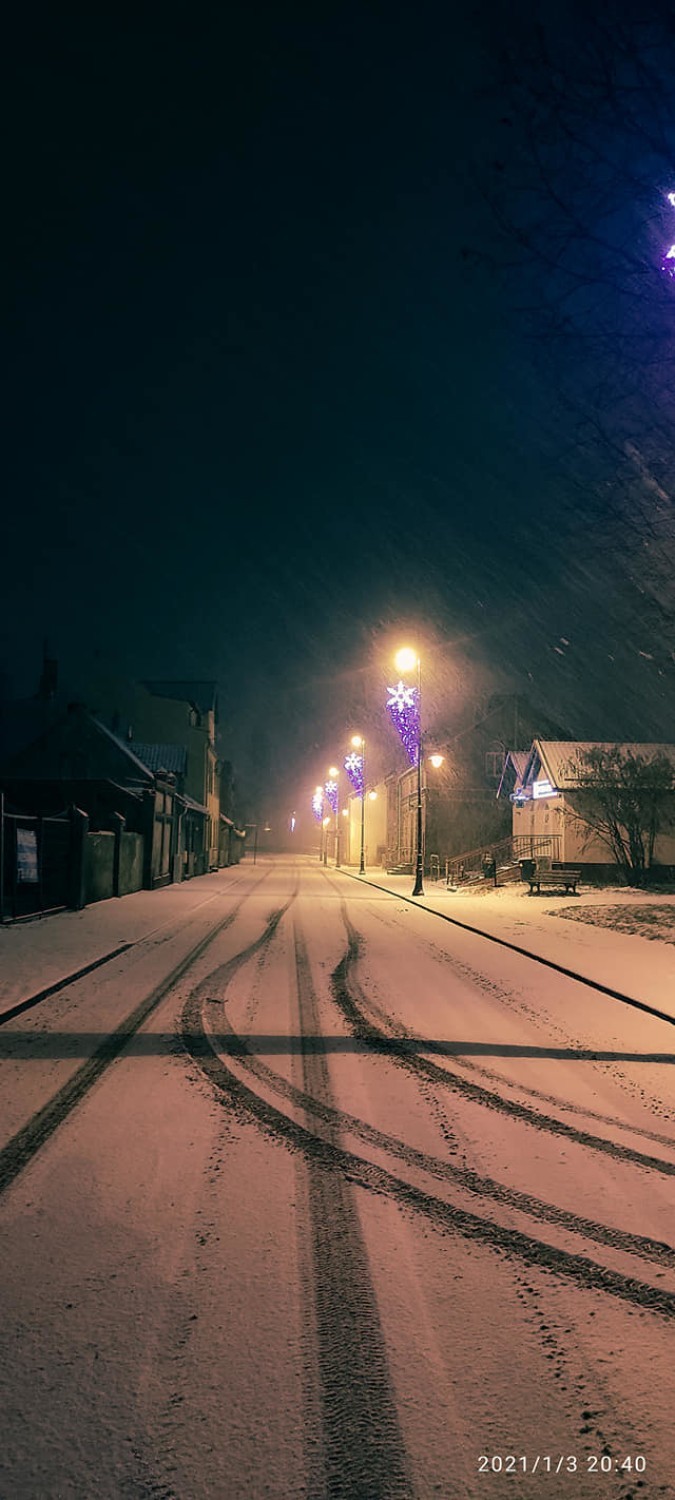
(354, 769)
(317, 805)
(668, 260)
(401, 697)
(331, 790)
(403, 709)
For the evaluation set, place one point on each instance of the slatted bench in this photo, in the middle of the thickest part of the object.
(567, 878)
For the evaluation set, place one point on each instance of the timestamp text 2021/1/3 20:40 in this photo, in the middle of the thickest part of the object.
(563, 1463)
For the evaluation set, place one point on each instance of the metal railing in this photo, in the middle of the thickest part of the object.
(506, 854)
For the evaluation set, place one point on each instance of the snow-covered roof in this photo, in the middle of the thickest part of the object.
(557, 758)
(172, 758)
(122, 745)
(201, 695)
(515, 762)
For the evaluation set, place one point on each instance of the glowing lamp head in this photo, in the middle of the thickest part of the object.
(406, 659)
(436, 761)
(356, 741)
(372, 796)
(326, 821)
(332, 772)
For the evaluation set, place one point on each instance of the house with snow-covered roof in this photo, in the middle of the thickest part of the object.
(547, 794)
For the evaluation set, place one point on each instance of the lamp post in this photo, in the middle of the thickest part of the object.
(324, 836)
(359, 744)
(317, 809)
(406, 661)
(335, 775)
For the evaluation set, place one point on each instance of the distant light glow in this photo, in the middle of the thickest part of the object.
(406, 659)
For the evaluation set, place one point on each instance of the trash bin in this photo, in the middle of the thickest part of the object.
(527, 868)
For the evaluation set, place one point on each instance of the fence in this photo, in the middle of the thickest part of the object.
(37, 856)
(506, 854)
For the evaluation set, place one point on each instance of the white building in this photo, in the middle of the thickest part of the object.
(546, 797)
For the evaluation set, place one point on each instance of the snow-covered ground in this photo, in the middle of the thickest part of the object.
(366, 1205)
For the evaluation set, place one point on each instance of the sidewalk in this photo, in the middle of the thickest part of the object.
(639, 967)
(37, 954)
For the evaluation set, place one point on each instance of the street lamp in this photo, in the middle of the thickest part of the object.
(359, 744)
(324, 833)
(406, 660)
(334, 776)
(317, 809)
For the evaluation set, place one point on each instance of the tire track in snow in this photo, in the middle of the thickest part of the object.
(395, 1042)
(537, 958)
(232, 1044)
(17, 1154)
(362, 1448)
(364, 1453)
(586, 1052)
(447, 1217)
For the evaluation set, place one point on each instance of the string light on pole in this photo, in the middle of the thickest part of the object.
(332, 790)
(358, 779)
(668, 258)
(317, 809)
(405, 707)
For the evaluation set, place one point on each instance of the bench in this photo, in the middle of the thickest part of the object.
(567, 878)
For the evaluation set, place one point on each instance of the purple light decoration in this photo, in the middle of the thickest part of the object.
(317, 805)
(354, 769)
(403, 709)
(668, 258)
(331, 790)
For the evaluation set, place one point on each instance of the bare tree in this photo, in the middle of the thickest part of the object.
(625, 799)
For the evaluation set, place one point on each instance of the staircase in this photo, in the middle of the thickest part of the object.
(468, 869)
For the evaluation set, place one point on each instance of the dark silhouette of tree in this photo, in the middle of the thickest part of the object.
(625, 799)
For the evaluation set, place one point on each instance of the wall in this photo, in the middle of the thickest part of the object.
(555, 815)
(375, 829)
(98, 866)
(131, 863)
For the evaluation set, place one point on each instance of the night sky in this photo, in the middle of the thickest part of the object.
(282, 388)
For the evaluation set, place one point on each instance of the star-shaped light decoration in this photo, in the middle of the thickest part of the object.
(317, 804)
(331, 790)
(401, 697)
(354, 768)
(403, 709)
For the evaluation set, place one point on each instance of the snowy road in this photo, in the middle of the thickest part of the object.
(311, 1193)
